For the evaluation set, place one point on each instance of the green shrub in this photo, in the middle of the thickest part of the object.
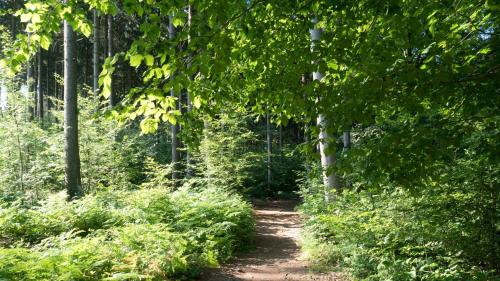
(148, 234)
(396, 236)
(134, 252)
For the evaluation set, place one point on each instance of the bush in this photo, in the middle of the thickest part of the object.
(396, 236)
(134, 252)
(149, 234)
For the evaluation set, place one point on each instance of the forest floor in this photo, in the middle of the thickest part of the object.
(277, 255)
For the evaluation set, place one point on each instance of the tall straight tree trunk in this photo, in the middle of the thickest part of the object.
(39, 90)
(47, 81)
(174, 127)
(72, 178)
(189, 170)
(29, 83)
(95, 55)
(269, 151)
(280, 141)
(110, 55)
(328, 159)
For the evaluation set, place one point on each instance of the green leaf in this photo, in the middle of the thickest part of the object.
(178, 21)
(197, 102)
(26, 17)
(149, 125)
(485, 51)
(85, 29)
(45, 42)
(149, 60)
(36, 18)
(135, 60)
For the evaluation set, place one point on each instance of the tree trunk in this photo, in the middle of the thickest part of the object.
(328, 159)
(110, 55)
(47, 82)
(189, 170)
(174, 127)
(95, 55)
(346, 139)
(269, 143)
(39, 91)
(280, 142)
(72, 178)
(29, 83)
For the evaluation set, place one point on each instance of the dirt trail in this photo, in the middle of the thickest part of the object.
(277, 254)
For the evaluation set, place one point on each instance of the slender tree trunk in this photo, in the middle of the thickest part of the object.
(3, 93)
(269, 151)
(39, 90)
(29, 83)
(110, 55)
(21, 157)
(280, 141)
(307, 134)
(47, 81)
(174, 127)
(95, 55)
(56, 86)
(346, 139)
(189, 170)
(328, 159)
(72, 156)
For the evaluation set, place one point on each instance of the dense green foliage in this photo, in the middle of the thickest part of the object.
(395, 224)
(145, 234)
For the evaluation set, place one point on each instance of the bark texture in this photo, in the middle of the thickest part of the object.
(112, 101)
(328, 159)
(72, 178)
(95, 55)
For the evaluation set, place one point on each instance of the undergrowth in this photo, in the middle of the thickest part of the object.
(148, 234)
(395, 236)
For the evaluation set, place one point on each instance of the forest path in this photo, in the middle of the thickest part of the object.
(277, 253)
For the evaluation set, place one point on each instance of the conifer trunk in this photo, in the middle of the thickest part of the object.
(189, 170)
(112, 101)
(95, 55)
(269, 151)
(39, 90)
(29, 84)
(71, 150)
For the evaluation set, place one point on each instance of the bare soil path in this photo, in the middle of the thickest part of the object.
(277, 253)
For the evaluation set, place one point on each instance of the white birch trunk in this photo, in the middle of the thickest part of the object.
(328, 159)
(174, 127)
